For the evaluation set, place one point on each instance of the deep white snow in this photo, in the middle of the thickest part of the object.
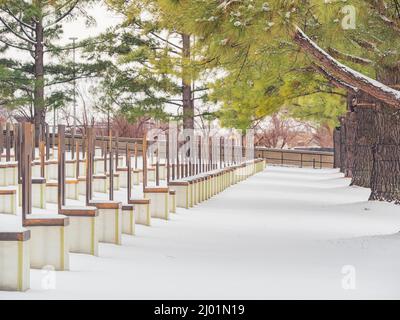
(283, 233)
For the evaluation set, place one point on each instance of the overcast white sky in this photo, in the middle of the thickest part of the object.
(104, 18)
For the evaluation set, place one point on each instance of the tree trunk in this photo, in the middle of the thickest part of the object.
(350, 141)
(365, 136)
(336, 147)
(365, 112)
(385, 177)
(39, 104)
(187, 101)
(342, 143)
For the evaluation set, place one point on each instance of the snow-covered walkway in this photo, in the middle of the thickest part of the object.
(283, 233)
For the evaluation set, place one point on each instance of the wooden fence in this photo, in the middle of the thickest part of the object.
(297, 158)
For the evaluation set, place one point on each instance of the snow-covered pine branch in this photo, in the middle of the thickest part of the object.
(354, 78)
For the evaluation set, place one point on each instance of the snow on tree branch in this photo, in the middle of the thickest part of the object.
(354, 78)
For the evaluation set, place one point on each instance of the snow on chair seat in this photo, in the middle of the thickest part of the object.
(72, 188)
(38, 193)
(51, 166)
(8, 173)
(8, 200)
(12, 174)
(82, 186)
(197, 190)
(191, 191)
(98, 165)
(51, 191)
(182, 192)
(151, 174)
(3, 174)
(100, 183)
(116, 181)
(82, 167)
(194, 190)
(128, 219)
(109, 220)
(14, 256)
(83, 229)
(172, 201)
(70, 168)
(36, 167)
(142, 211)
(158, 196)
(202, 188)
(49, 244)
(137, 177)
(209, 186)
(122, 181)
(162, 171)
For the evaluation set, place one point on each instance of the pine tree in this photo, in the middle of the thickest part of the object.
(31, 30)
(170, 55)
(244, 35)
(132, 83)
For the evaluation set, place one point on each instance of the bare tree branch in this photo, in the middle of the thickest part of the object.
(15, 32)
(15, 46)
(64, 15)
(341, 55)
(22, 23)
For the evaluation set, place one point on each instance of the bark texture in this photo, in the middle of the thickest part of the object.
(365, 113)
(342, 143)
(336, 147)
(365, 136)
(385, 177)
(350, 142)
(39, 103)
(187, 101)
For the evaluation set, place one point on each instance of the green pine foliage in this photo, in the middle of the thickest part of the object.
(136, 81)
(242, 57)
(265, 72)
(147, 62)
(19, 21)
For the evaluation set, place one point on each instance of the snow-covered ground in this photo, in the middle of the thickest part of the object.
(283, 233)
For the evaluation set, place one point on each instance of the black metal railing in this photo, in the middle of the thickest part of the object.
(297, 158)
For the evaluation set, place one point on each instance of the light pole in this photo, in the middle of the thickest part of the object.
(73, 39)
